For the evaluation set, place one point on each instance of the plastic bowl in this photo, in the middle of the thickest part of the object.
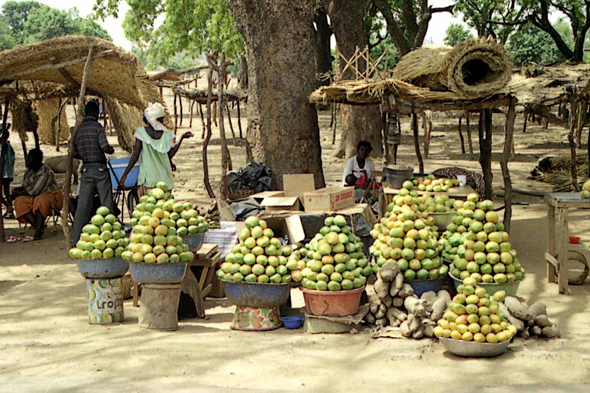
(422, 286)
(472, 349)
(157, 273)
(332, 304)
(257, 295)
(511, 288)
(292, 322)
(103, 268)
(574, 239)
(442, 220)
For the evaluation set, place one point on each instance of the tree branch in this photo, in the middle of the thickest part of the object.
(396, 33)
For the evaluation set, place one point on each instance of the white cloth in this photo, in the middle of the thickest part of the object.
(352, 167)
(154, 112)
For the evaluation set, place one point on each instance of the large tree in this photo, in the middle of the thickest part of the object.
(282, 124)
(456, 33)
(358, 123)
(491, 18)
(408, 20)
(531, 45)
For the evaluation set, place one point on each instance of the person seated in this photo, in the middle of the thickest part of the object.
(38, 195)
(358, 169)
(7, 173)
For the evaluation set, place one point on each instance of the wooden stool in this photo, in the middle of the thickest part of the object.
(557, 254)
(159, 306)
(207, 258)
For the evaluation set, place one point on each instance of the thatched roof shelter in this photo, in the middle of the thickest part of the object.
(115, 73)
(54, 68)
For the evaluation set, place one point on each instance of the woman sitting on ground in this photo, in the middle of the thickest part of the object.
(38, 195)
(358, 169)
(154, 145)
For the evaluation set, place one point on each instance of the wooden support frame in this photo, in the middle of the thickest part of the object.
(506, 154)
(416, 140)
(79, 118)
(485, 149)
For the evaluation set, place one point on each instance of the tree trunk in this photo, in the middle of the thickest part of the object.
(323, 35)
(283, 126)
(485, 149)
(358, 123)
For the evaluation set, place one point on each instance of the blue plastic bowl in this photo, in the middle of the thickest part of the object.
(422, 286)
(292, 322)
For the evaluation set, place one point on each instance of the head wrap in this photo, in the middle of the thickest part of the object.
(154, 112)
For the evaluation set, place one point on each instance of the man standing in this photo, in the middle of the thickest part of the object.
(90, 146)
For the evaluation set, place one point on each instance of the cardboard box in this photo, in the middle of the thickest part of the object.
(329, 199)
(295, 186)
(282, 226)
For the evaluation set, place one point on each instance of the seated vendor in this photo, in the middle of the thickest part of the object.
(358, 169)
(38, 195)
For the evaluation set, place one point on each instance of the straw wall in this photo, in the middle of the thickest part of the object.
(47, 112)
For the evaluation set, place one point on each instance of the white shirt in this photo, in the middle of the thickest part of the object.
(352, 167)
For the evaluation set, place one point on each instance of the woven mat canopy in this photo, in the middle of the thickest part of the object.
(59, 63)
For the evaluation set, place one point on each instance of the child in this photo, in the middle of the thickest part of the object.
(7, 173)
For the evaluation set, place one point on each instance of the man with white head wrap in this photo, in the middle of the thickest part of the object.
(154, 145)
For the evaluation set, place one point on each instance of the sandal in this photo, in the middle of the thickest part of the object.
(28, 238)
(13, 239)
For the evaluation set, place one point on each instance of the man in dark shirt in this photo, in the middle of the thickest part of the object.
(90, 146)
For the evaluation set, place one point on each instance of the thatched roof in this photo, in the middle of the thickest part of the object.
(546, 85)
(200, 95)
(168, 74)
(114, 72)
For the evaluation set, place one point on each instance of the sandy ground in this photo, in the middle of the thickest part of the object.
(47, 344)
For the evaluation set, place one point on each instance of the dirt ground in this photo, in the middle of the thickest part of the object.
(47, 344)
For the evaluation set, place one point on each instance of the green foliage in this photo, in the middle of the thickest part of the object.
(188, 26)
(378, 50)
(483, 15)
(29, 21)
(456, 33)
(531, 45)
(180, 60)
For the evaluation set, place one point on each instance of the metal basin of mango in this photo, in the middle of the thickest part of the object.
(102, 268)
(157, 273)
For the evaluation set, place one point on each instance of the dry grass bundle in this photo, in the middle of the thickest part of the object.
(473, 68)
(125, 119)
(114, 72)
(47, 112)
(556, 171)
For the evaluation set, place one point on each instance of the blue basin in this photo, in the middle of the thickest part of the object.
(102, 268)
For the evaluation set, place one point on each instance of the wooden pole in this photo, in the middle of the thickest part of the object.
(469, 141)
(175, 115)
(2, 163)
(506, 154)
(333, 123)
(224, 150)
(208, 134)
(461, 136)
(192, 106)
(202, 121)
(425, 128)
(79, 118)
(231, 126)
(485, 149)
(181, 111)
(573, 99)
(240, 121)
(526, 120)
(416, 141)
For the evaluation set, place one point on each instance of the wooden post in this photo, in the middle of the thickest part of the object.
(551, 241)
(526, 119)
(2, 163)
(506, 154)
(573, 100)
(416, 141)
(202, 121)
(240, 121)
(485, 149)
(192, 106)
(469, 141)
(224, 150)
(162, 93)
(181, 111)
(231, 126)
(208, 134)
(175, 114)
(333, 123)
(79, 118)
(561, 234)
(461, 136)
(426, 141)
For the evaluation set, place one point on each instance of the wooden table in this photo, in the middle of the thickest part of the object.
(207, 257)
(558, 205)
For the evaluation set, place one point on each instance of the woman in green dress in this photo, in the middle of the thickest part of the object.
(154, 146)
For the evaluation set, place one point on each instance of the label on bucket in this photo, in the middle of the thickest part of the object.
(105, 300)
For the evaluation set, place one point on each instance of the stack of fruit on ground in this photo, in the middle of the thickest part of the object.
(529, 321)
(393, 303)
(102, 238)
(585, 193)
(432, 184)
(475, 316)
(260, 257)
(157, 228)
(334, 259)
(407, 236)
(181, 216)
(478, 246)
